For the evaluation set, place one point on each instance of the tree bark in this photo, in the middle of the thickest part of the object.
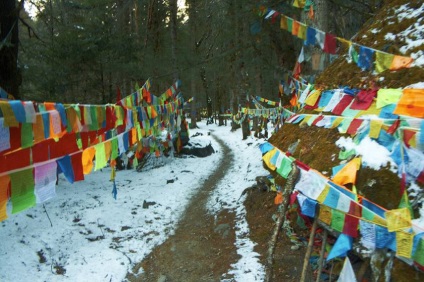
(10, 78)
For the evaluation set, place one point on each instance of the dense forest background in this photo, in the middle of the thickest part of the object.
(82, 51)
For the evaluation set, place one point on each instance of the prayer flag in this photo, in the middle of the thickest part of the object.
(400, 62)
(87, 159)
(65, 166)
(411, 103)
(347, 273)
(398, 219)
(8, 114)
(45, 181)
(341, 247)
(4, 136)
(330, 43)
(22, 190)
(383, 61)
(365, 60)
(404, 241)
(101, 160)
(388, 96)
(76, 160)
(348, 173)
(4, 195)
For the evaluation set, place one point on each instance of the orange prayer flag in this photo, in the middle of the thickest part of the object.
(411, 103)
(38, 129)
(4, 195)
(295, 28)
(87, 159)
(108, 149)
(311, 13)
(401, 62)
(348, 173)
(278, 200)
(293, 100)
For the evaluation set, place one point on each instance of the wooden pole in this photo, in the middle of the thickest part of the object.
(321, 255)
(309, 248)
(288, 188)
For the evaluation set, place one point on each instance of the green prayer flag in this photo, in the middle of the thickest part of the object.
(367, 214)
(344, 155)
(285, 167)
(404, 203)
(27, 138)
(337, 220)
(289, 24)
(22, 190)
(94, 121)
(101, 161)
(114, 153)
(419, 252)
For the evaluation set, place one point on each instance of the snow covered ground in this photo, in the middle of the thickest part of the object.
(93, 237)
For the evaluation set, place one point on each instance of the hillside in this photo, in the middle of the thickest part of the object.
(397, 29)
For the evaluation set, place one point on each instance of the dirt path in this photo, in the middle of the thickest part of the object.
(202, 248)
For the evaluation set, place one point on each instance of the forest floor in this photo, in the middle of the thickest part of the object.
(203, 246)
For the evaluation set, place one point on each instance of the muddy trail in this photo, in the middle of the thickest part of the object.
(202, 248)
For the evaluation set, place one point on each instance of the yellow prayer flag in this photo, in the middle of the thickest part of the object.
(299, 3)
(302, 31)
(267, 158)
(325, 214)
(8, 114)
(323, 195)
(404, 242)
(383, 61)
(375, 128)
(337, 122)
(388, 96)
(398, 219)
(313, 97)
(87, 159)
(348, 173)
(305, 121)
(108, 149)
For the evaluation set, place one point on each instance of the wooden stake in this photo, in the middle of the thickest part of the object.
(288, 188)
(309, 248)
(321, 255)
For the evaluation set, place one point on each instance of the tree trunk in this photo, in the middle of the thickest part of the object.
(10, 78)
(173, 7)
